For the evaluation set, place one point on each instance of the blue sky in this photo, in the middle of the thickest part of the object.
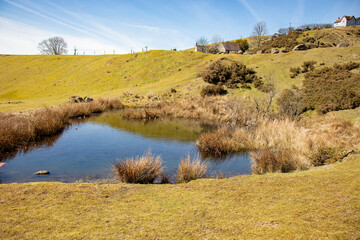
(99, 27)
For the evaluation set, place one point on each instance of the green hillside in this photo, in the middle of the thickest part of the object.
(35, 81)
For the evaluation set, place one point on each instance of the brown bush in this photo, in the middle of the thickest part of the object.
(190, 170)
(308, 66)
(290, 102)
(19, 130)
(144, 169)
(326, 89)
(331, 89)
(213, 91)
(267, 160)
(221, 73)
(325, 155)
(294, 71)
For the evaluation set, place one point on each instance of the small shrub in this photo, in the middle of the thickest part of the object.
(266, 160)
(290, 102)
(243, 44)
(213, 91)
(347, 66)
(190, 170)
(144, 169)
(294, 71)
(308, 66)
(220, 73)
(325, 155)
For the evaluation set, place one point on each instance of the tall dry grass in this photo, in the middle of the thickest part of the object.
(143, 169)
(284, 145)
(224, 110)
(190, 170)
(19, 130)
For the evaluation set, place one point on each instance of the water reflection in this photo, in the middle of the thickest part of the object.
(87, 150)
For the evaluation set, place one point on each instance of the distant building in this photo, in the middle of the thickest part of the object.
(347, 21)
(228, 47)
(201, 48)
(224, 47)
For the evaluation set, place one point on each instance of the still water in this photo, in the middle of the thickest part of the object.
(87, 150)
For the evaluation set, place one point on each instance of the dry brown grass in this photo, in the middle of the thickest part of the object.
(190, 170)
(20, 129)
(218, 109)
(284, 145)
(144, 169)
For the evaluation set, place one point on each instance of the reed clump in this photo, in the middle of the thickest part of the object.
(190, 170)
(20, 129)
(286, 145)
(143, 169)
(218, 109)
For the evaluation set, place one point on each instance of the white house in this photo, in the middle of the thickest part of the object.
(346, 21)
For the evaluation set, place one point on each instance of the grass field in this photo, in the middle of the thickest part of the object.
(321, 203)
(36, 81)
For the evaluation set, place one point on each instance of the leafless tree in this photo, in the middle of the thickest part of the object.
(259, 32)
(53, 46)
(202, 41)
(216, 39)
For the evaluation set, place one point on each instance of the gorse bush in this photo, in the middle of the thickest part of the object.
(308, 66)
(243, 44)
(230, 75)
(290, 102)
(144, 169)
(326, 89)
(305, 67)
(294, 71)
(213, 91)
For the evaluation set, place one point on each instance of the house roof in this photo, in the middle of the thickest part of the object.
(229, 46)
(347, 17)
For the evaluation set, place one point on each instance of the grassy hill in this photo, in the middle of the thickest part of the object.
(36, 81)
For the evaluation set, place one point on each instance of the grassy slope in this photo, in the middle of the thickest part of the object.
(321, 203)
(49, 80)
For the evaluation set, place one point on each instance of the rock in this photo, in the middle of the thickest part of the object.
(42, 172)
(283, 51)
(248, 53)
(173, 90)
(260, 52)
(87, 99)
(274, 51)
(343, 44)
(240, 52)
(300, 47)
(75, 99)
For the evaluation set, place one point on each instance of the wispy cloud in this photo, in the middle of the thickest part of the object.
(93, 28)
(250, 9)
(20, 38)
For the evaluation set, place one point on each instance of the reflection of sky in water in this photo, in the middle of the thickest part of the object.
(88, 150)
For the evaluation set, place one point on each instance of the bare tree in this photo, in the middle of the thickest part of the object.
(259, 32)
(216, 39)
(53, 46)
(202, 41)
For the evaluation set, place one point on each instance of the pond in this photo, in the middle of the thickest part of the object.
(87, 150)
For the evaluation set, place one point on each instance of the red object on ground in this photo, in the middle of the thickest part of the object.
(2, 164)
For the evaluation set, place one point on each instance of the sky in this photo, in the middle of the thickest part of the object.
(119, 26)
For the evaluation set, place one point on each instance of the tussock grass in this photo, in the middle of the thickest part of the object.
(285, 145)
(19, 130)
(224, 110)
(190, 170)
(143, 169)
